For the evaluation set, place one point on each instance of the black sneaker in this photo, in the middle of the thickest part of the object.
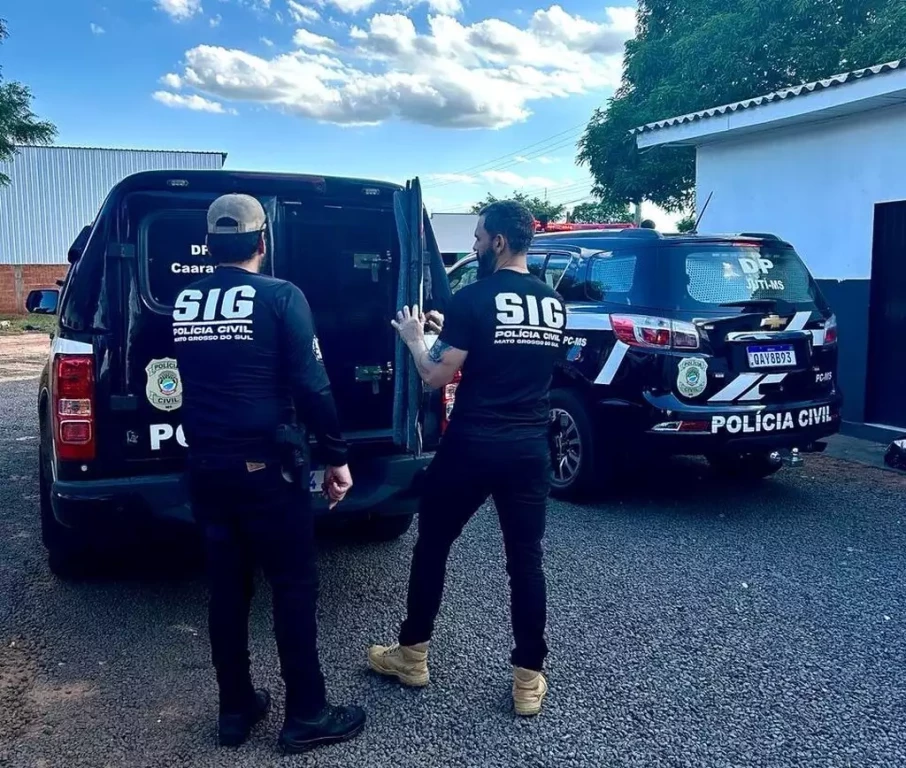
(234, 728)
(331, 726)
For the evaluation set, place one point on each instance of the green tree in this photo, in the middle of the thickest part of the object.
(600, 212)
(690, 55)
(881, 39)
(18, 124)
(543, 210)
(685, 224)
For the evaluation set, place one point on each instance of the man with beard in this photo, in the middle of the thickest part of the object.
(504, 332)
(242, 389)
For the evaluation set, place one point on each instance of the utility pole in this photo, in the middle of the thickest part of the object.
(638, 214)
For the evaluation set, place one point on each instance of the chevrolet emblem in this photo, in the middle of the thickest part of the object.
(773, 321)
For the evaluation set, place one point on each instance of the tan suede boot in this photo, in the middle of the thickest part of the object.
(407, 663)
(529, 690)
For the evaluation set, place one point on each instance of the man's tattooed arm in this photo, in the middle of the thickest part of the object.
(436, 353)
(437, 366)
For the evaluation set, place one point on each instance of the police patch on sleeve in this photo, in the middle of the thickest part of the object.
(316, 349)
(692, 376)
(164, 387)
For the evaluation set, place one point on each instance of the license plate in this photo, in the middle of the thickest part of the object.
(316, 480)
(772, 356)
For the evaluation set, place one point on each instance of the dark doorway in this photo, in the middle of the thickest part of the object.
(886, 390)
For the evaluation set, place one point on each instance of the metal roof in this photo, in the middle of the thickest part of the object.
(143, 150)
(787, 93)
(56, 191)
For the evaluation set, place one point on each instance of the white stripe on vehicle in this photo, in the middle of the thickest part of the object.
(755, 392)
(69, 347)
(742, 383)
(587, 322)
(613, 362)
(799, 321)
(818, 337)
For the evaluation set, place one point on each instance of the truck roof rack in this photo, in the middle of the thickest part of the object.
(759, 235)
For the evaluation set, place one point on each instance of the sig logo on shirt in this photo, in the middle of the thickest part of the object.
(529, 320)
(215, 315)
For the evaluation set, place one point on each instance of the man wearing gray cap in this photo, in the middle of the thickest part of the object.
(250, 365)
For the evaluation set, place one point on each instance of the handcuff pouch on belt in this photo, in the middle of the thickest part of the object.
(295, 451)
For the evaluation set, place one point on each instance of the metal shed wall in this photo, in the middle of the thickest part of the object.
(55, 191)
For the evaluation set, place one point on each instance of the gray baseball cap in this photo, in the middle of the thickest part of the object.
(235, 215)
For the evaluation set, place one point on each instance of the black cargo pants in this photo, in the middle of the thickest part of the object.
(463, 474)
(254, 518)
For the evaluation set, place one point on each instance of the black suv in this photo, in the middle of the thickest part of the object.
(721, 346)
(112, 449)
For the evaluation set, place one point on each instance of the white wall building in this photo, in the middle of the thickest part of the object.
(823, 166)
(455, 233)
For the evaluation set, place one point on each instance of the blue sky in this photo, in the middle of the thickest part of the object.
(472, 97)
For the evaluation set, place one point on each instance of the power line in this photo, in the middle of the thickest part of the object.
(504, 166)
(574, 130)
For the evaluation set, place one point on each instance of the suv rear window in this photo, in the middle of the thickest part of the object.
(718, 275)
(611, 276)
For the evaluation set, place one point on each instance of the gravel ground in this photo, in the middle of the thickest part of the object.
(690, 625)
(22, 355)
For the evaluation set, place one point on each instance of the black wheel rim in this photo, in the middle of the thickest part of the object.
(566, 448)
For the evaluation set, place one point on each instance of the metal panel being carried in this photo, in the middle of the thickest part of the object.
(56, 191)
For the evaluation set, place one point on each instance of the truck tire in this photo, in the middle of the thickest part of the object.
(744, 467)
(574, 452)
(66, 559)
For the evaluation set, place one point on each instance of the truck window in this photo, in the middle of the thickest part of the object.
(172, 247)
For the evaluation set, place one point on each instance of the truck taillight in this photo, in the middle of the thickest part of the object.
(830, 330)
(642, 331)
(448, 398)
(73, 407)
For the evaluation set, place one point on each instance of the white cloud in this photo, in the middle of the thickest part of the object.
(96, 29)
(445, 7)
(172, 81)
(453, 178)
(179, 10)
(302, 13)
(543, 160)
(481, 75)
(310, 41)
(268, 42)
(215, 20)
(500, 177)
(194, 102)
(349, 6)
(515, 181)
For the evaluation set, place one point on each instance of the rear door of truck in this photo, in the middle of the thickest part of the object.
(160, 249)
(422, 282)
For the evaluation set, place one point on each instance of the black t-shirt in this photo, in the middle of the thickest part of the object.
(249, 361)
(511, 324)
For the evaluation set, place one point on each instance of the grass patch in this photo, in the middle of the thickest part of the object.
(27, 324)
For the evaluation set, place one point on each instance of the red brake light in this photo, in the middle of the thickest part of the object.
(640, 331)
(73, 411)
(830, 330)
